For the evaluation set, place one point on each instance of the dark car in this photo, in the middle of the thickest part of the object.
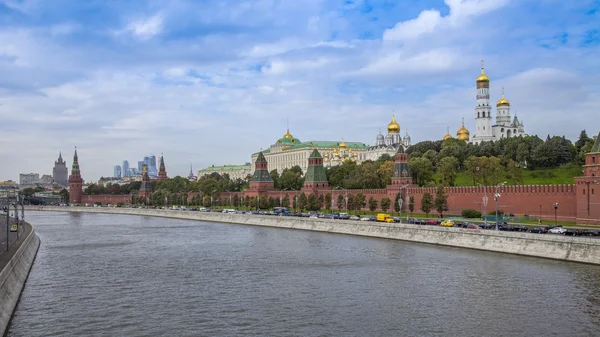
(573, 232)
(590, 232)
(462, 224)
(520, 228)
(538, 230)
(485, 226)
(504, 227)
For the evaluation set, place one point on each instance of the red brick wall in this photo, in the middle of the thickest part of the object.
(519, 200)
(106, 199)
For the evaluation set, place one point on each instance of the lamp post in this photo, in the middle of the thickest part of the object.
(496, 197)
(555, 214)
(400, 202)
(211, 198)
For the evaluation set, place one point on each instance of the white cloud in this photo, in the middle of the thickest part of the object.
(147, 27)
(431, 20)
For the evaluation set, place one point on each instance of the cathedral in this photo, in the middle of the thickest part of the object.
(388, 144)
(504, 127)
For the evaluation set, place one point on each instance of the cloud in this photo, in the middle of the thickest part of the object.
(431, 20)
(146, 28)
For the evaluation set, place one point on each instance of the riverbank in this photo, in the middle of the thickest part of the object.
(15, 266)
(575, 249)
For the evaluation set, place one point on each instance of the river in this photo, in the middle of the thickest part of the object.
(119, 275)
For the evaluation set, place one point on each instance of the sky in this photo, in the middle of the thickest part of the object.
(209, 82)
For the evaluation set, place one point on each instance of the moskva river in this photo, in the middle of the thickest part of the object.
(115, 275)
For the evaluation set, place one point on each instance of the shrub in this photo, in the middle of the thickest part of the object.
(471, 213)
(500, 212)
(98, 203)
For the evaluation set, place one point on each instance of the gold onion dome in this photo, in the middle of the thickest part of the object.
(342, 144)
(288, 135)
(393, 126)
(482, 77)
(463, 133)
(355, 154)
(503, 101)
(447, 136)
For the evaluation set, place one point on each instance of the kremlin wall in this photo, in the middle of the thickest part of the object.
(579, 202)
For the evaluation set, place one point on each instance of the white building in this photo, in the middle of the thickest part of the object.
(234, 171)
(504, 126)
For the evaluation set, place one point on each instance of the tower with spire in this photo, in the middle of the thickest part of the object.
(504, 127)
(60, 173)
(261, 181)
(162, 172)
(75, 182)
(588, 187)
(315, 178)
(146, 187)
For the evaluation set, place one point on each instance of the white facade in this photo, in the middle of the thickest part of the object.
(388, 144)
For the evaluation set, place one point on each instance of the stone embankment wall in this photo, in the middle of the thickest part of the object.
(14, 274)
(577, 249)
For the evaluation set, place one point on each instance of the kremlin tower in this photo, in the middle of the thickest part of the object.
(162, 172)
(75, 182)
(146, 187)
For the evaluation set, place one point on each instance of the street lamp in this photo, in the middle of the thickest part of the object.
(211, 198)
(496, 197)
(555, 214)
(400, 202)
(281, 196)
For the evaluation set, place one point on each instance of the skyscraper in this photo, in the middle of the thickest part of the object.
(117, 171)
(60, 172)
(125, 168)
(139, 168)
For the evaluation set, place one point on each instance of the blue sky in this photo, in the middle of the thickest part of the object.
(210, 82)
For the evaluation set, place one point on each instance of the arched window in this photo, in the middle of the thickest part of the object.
(593, 160)
(477, 114)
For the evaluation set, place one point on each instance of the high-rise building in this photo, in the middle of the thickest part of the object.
(150, 161)
(117, 171)
(60, 173)
(140, 164)
(125, 168)
(29, 179)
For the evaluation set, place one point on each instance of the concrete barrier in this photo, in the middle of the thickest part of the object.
(576, 249)
(13, 277)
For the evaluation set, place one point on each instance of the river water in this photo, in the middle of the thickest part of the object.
(116, 275)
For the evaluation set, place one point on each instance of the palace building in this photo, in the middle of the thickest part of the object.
(289, 151)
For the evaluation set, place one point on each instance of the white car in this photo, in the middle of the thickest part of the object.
(557, 230)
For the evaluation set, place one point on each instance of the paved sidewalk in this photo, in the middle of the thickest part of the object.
(14, 243)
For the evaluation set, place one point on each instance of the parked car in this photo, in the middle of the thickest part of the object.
(591, 232)
(538, 230)
(485, 226)
(557, 230)
(431, 222)
(472, 226)
(355, 217)
(520, 228)
(572, 231)
(447, 223)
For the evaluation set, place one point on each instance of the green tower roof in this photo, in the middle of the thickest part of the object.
(596, 147)
(315, 173)
(315, 154)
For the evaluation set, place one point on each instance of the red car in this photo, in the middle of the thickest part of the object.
(431, 222)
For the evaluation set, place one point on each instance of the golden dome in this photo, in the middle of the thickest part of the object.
(288, 135)
(326, 155)
(393, 127)
(335, 150)
(482, 77)
(463, 133)
(342, 144)
(503, 101)
(355, 154)
(447, 136)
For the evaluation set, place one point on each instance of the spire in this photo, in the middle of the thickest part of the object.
(482, 67)
(75, 167)
(463, 121)
(191, 170)
(60, 155)
(596, 147)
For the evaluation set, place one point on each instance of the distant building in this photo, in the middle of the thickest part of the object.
(191, 176)
(150, 161)
(139, 168)
(117, 171)
(8, 185)
(234, 171)
(125, 168)
(29, 179)
(46, 180)
(133, 172)
(60, 173)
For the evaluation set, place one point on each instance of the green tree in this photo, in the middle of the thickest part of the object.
(360, 201)
(411, 205)
(328, 201)
(427, 203)
(236, 201)
(285, 202)
(275, 177)
(441, 201)
(291, 179)
(340, 201)
(431, 155)
(397, 202)
(313, 203)
(385, 204)
(514, 174)
(302, 201)
(583, 139)
(372, 204)
(263, 203)
(447, 170)
(421, 170)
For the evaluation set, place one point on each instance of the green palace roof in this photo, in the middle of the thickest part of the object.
(320, 144)
(226, 168)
